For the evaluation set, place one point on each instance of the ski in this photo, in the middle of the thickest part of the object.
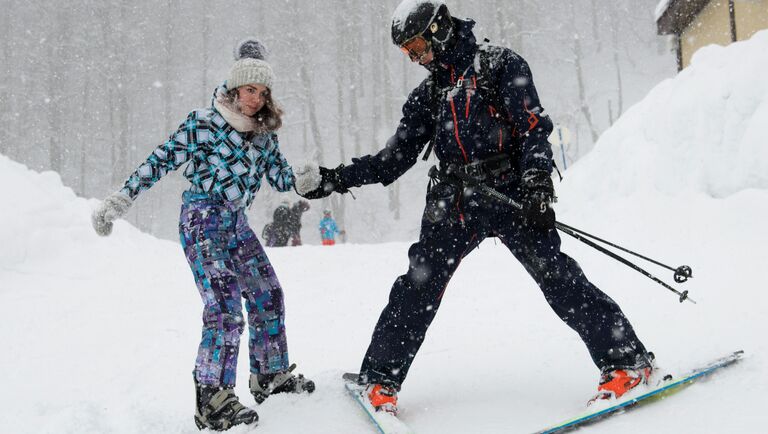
(384, 423)
(664, 389)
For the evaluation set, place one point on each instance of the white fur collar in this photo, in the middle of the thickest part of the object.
(237, 120)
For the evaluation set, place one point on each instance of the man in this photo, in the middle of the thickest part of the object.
(480, 112)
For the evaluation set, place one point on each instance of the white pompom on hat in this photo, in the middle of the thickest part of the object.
(250, 47)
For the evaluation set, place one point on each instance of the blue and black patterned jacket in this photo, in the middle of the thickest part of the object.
(464, 124)
(223, 162)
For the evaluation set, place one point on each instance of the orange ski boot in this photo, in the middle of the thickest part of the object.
(616, 383)
(382, 398)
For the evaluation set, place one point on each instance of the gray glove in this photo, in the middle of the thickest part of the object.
(326, 181)
(109, 210)
(307, 178)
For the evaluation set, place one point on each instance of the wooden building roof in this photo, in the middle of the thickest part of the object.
(678, 14)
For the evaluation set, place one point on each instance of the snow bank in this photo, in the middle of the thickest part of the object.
(702, 132)
(102, 336)
(44, 224)
(38, 211)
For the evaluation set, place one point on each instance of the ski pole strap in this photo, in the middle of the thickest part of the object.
(488, 191)
(682, 273)
(554, 164)
(566, 229)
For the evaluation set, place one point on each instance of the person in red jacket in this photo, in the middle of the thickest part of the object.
(328, 229)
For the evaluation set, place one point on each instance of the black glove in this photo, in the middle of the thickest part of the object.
(330, 181)
(540, 194)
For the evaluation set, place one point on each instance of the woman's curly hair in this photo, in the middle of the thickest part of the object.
(268, 119)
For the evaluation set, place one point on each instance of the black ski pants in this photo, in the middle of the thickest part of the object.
(415, 296)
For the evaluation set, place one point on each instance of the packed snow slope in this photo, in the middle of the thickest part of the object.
(99, 334)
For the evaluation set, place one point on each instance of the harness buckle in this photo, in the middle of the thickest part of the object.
(481, 171)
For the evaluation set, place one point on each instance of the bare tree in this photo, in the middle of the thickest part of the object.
(596, 24)
(205, 40)
(5, 74)
(614, 25)
(377, 90)
(584, 104)
(342, 59)
(83, 160)
(306, 80)
(113, 68)
(57, 41)
(168, 65)
(353, 68)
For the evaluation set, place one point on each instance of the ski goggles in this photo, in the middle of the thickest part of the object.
(416, 48)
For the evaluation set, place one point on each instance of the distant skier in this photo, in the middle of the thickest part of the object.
(269, 235)
(278, 233)
(230, 146)
(294, 221)
(285, 227)
(328, 229)
(480, 112)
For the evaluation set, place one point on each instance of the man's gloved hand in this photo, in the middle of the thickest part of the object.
(314, 182)
(109, 210)
(540, 194)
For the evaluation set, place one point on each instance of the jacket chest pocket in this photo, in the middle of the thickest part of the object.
(491, 133)
(470, 123)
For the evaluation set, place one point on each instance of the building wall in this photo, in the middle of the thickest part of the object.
(751, 17)
(711, 26)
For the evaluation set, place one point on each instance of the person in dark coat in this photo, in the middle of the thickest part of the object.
(285, 227)
(480, 113)
(294, 221)
(277, 233)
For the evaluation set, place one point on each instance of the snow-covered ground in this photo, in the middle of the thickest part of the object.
(100, 334)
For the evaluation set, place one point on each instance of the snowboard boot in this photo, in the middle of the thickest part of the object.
(616, 382)
(382, 398)
(218, 408)
(263, 385)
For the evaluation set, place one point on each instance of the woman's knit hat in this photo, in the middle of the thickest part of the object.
(250, 66)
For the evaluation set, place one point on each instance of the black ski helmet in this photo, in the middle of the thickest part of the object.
(429, 18)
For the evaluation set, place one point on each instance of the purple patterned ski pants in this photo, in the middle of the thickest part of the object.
(228, 262)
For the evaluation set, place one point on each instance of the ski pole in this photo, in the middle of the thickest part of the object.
(566, 229)
(682, 273)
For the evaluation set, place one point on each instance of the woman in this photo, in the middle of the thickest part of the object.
(228, 147)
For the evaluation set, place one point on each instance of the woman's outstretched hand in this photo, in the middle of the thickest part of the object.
(316, 182)
(109, 210)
